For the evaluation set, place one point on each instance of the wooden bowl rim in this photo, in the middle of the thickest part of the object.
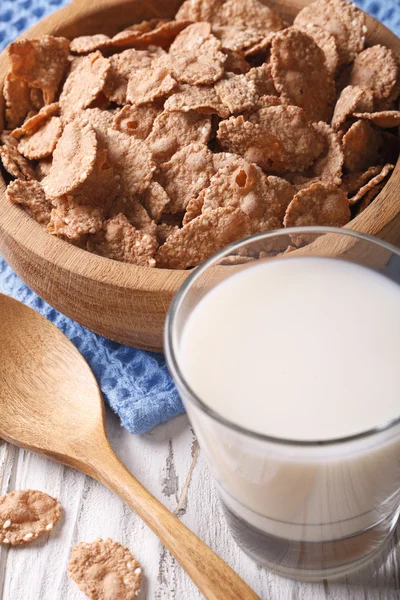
(30, 235)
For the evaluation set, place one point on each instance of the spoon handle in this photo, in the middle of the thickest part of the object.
(214, 578)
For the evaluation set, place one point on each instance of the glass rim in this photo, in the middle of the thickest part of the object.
(170, 350)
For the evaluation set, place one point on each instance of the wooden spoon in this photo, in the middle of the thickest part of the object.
(50, 403)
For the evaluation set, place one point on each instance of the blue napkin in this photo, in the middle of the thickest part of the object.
(136, 384)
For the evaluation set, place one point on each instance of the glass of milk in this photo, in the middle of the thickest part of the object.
(285, 348)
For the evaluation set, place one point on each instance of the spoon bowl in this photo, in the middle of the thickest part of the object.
(50, 403)
(49, 398)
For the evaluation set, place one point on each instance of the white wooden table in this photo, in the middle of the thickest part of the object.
(168, 462)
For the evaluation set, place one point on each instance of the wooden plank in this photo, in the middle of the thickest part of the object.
(168, 462)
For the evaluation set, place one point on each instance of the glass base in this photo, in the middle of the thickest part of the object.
(311, 561)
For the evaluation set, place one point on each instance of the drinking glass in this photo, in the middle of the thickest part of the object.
(306, 510)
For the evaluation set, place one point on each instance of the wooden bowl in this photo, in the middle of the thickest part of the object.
(126, 303)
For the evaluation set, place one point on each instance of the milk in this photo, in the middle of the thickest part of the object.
(302, 349)
(297, 349)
